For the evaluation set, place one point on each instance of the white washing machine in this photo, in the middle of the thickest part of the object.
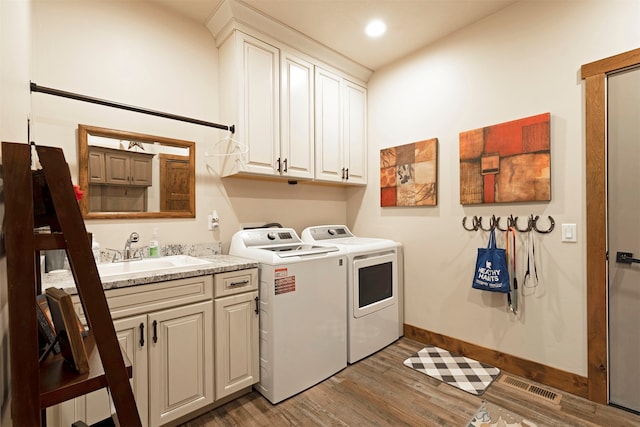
(303, 326)
(374, 288)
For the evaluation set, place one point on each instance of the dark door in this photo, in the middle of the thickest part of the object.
(174, 183)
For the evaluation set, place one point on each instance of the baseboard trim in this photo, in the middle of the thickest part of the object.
(547, 375)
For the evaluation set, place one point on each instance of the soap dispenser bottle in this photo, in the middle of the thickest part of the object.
(154, 246)
(95, 248)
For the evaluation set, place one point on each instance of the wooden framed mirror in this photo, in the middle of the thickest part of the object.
(131, 175)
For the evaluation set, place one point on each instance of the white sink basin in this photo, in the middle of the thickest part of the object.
(167, 263)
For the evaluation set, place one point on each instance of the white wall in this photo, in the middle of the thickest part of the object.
(139, 54)
(522, 61)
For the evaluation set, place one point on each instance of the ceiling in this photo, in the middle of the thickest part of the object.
(339, 24)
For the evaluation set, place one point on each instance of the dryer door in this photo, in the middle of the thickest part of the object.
(375, 282)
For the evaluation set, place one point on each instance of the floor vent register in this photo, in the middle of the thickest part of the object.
(529, 388)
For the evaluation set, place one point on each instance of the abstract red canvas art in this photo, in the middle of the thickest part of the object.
(507, 162)
(408, 174)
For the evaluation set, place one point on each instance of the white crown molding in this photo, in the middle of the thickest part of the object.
(236, 15)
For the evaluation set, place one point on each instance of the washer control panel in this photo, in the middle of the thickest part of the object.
(269, 236)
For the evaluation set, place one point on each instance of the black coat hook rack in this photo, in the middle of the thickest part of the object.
(56, 92)
(512, 222)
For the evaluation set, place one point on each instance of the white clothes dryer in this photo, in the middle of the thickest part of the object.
(374, 288)
(303, 325)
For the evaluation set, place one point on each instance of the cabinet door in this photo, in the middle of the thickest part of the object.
(259, 97)
(175, 184)
(132, 333)
(297, 117)
(180, 361)
(355, 132)
(236, 348)
(95, 406)
(96, 167)
(140, 170)
(117, 168)
(329, 150)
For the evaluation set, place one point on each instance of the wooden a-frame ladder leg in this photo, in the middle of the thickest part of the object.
(19, 242)
(88, 282)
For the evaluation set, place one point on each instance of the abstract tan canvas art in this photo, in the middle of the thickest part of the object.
(507, 162)
(408, 174)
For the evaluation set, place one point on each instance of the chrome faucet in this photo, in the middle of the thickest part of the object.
(133, 238)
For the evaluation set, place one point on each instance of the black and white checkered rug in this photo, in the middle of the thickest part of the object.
(461, 372)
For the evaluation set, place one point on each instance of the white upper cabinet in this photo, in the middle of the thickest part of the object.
(341, 139)
(268, 93)
(296, 118)
(355, 133)
(250, 99)
(329, 142)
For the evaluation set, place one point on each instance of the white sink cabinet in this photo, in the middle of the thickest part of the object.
(236, 331)
(180, 361)
(168, 331)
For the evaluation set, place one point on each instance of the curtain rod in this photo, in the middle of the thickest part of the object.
(78, 97)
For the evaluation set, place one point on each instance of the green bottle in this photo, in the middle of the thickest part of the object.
(154, 246)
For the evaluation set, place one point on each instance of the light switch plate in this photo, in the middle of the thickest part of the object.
(569, 233)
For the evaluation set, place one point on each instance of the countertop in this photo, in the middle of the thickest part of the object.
(217, 264)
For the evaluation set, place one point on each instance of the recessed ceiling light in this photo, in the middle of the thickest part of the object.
(375, 28)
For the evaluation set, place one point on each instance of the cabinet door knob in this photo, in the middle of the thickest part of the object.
(257, 310)
(285, 166)
(278, 165)
(347, 170)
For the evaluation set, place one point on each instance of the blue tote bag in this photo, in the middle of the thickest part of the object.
(491, 272)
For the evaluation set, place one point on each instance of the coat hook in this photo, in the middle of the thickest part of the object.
(474, 222)
(492, 224)
(497, 224)
(525, 230)
(548, 230)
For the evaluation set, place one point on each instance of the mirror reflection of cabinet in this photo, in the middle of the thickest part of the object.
(96, 167)
(119, 167)
(132, 175)
(118, 180)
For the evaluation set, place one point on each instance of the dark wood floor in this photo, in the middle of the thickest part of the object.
(381, 391)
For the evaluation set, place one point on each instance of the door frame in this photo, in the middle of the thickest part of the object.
(595, 75)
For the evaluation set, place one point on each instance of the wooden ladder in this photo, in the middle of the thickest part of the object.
(35, 386)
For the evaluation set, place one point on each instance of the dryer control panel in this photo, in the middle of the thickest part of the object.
(326, 232)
